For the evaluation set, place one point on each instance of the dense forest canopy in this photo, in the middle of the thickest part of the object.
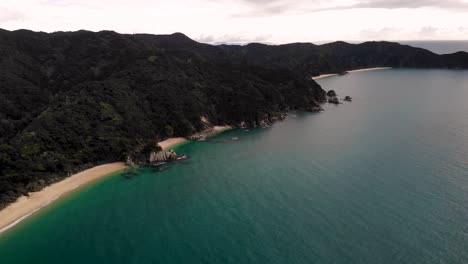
(71, 100)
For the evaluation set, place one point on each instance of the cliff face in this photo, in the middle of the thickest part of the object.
(70, 100)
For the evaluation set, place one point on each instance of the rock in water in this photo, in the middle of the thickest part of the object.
(333, 100)
(348, 98)
(331, 93)
(331, 97)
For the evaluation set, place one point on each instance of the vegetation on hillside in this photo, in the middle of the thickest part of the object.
(71, 100)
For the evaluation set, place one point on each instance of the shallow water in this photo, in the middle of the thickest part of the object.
(383, 179)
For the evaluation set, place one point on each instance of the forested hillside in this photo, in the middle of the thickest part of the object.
(70, 100)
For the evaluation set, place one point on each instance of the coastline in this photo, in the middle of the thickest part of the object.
(324, 76)
(172, 142)
(27, 206)
(219, 129)
(370, 69)
(358, 70)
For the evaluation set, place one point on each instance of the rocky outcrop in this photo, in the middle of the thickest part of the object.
(155, 158)
(162, 156)
(331, 93)
(315, 108)
(348, 98)
(204, 135)
(242, 124)
(265, 120)
(130, 162)
(332, 98)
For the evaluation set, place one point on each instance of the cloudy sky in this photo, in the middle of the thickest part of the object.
(273, 21)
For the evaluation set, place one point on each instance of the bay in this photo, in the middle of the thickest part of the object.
(382, 179)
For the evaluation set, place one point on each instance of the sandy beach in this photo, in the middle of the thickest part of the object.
(324, 76)
(370, 69)
(358, 70)
(26, 206)
(218, 129)
(171, 142)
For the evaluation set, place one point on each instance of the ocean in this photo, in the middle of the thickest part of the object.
(382, 179)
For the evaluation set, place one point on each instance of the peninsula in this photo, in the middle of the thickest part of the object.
(73, 100)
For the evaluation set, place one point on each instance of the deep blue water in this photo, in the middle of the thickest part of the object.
(383, 179)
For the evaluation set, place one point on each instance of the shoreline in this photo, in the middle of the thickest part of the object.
(321, 76)
(172, 142)
(26, 206)
(370, 69)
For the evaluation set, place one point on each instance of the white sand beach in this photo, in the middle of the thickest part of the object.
(370, 69)
(321, 76)
(170, 142)
(26, 206)
(218, 129)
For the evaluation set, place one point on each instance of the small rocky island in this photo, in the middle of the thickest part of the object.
(333, 98)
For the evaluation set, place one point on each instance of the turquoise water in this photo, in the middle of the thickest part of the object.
(383, 179)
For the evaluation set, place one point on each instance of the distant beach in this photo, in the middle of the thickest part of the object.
(324, 76)
(370, 69)
(25, 206)
(358, 70)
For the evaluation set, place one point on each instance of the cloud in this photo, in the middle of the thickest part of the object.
(429, 30)
(264, 7)
(59, 2)
(7, 15)
(419, 33)
(463, 29)
(380, 34)
(281, 7)
(395, 4)
(71, 4)
(238, 38)
(242, 21)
